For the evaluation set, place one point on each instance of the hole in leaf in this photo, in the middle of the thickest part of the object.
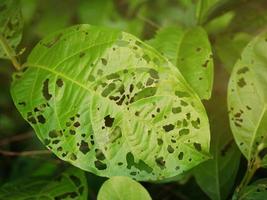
(45, 90)
(197, 146)
(160, 162)
(100, 165)
(181, 156)
(108, 121)
(84, 147)
(59, 82)
(168, 127)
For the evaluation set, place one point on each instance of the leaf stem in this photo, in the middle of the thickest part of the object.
(10, 52)
(253, 166)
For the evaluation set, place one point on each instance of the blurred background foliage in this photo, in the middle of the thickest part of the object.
(230, 24)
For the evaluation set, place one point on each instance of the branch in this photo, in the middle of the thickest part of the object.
(15, 138)
(24, 153)
(148, 21)
(10, 52)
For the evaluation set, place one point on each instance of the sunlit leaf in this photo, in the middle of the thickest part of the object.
(108, 103)
(71, 184)
(11, 24)
(255, 191)
(120, 187)
(190, 51)
(247, 99)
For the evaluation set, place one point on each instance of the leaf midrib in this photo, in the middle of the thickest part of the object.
(264, 110)
(93, 92)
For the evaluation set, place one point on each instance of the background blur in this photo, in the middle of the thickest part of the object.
(229, 29)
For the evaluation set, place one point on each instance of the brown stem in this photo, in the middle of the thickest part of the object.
(10, 52)
(148, 21)
(24, 153)
(15, 138)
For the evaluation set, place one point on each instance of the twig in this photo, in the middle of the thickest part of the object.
(148, 21)
(24, 153)
(15, 138)
(10, 52)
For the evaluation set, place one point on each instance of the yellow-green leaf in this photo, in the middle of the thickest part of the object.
(106, 102)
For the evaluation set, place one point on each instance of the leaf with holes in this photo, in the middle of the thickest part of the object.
(121, 187)
(190, 51)
(255, 191)
(11, 24)
(109, 104)
(247, 99)
(71, 184)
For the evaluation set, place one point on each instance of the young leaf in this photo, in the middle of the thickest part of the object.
(71, 184)
(247, 102)
(255, 191)
(208, 10)
(121, 187)
(190, 51)
(203, 9)
(167, 41)
(11, 24)
(108, 103)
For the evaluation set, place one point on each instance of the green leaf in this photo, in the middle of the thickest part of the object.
(255, 191)
(229, 47)
(208, 10)
(106, 102)
(190, 51)
(167, 41)
(105, 13)
(51, 16)
(247, 102)
(71, 184)
(11, 24)
(211, 175)
(120, 187)
(203, 8)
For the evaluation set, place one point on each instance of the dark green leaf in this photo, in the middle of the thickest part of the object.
(217, 176)
(255, 191)
(71, 184)
(229, 48)
(106, 13)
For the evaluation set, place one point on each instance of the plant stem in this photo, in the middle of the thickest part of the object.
(10, 52)
(15, 138)
(253, 165)
(148, 21)
(24, 153)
